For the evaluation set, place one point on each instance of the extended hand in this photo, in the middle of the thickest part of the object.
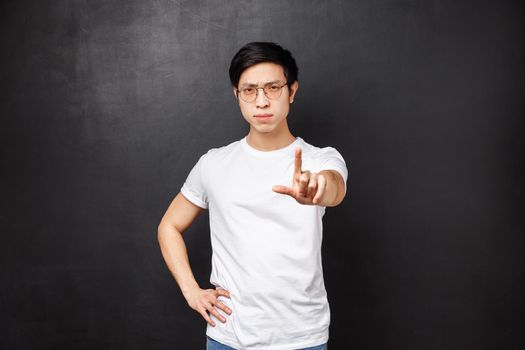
(307, 188)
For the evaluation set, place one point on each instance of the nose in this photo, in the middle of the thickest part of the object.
(261, 101)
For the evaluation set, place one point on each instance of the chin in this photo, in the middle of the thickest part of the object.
(264, 130)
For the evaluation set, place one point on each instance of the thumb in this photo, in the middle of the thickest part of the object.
(283, 190)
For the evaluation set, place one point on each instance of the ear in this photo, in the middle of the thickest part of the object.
(234, 92)
(293, 90)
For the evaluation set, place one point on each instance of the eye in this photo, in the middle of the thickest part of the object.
(274, 87)
(248, 91)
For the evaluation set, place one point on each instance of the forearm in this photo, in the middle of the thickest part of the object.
(175, 255)
(334, 191)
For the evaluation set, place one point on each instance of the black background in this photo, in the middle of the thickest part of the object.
(107, 105)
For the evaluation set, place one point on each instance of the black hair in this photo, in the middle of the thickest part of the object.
(259, 52)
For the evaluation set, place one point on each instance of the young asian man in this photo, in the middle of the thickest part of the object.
(266, 194)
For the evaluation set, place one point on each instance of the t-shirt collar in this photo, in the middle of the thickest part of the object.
(271, 154)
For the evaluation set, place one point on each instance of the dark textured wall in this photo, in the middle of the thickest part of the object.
(106, 106)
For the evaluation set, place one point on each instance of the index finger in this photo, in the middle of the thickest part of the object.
(298, 161)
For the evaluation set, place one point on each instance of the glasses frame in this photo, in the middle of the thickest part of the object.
(238, 94)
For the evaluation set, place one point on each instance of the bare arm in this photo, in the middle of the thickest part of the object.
(335, 187)
(180, 215)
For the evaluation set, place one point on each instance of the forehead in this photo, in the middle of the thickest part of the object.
(261, 73)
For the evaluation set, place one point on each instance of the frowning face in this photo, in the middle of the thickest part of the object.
(264, 114)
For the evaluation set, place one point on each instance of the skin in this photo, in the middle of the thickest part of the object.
(325, 188)
(272, 133)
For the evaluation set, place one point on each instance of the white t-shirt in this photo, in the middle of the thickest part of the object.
(266, 246)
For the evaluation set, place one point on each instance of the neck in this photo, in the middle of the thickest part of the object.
(269, 141)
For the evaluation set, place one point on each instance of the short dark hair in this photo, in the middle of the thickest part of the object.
(259, 52)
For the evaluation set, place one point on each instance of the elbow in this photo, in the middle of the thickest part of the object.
(161, 232)
(165, 229)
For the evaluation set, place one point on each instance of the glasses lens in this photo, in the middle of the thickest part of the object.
(272, 91)
(248, 94)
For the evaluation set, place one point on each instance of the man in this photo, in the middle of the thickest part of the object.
(266, 196)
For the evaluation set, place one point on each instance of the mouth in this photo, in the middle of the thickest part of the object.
(263, 116)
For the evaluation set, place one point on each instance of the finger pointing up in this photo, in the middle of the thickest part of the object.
(298, 161)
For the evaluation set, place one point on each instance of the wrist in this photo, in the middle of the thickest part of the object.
(189, 289)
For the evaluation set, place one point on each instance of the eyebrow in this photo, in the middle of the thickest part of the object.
(269, 82)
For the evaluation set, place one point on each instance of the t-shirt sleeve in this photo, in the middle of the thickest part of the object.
(330, 159)
(194, 188)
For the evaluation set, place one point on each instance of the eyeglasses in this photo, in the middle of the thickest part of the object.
(271, 90)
